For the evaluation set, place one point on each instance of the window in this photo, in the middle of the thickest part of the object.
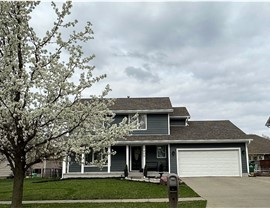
(141, 121)
(162, 151)
(92, 157)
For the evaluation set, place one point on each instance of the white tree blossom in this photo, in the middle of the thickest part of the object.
(42, 115)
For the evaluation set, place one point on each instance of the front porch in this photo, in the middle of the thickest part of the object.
(137, 157)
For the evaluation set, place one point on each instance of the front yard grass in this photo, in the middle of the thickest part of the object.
(41, 189)
(191, 204)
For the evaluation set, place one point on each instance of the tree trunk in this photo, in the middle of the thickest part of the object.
(17, 194)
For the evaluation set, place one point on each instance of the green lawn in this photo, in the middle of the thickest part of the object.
(40, 189)
(195, 204)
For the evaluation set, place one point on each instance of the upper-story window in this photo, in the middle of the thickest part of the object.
(141, 121)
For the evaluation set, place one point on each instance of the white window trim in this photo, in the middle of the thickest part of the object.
(165, 148)
(93, 159)
(138, 127)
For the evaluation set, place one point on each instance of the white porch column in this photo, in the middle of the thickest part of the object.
(127, 157)
(143, 156)
(82, 163)
(109, 159)
(64, 166)
(247, 156)
(169, 158)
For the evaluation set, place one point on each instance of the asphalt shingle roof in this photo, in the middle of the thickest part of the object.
(259, 145)
(198, 130)
(149, 103)
(180, 111)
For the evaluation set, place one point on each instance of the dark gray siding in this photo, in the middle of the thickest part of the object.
(152, 161)
(178, 122)
(156, 124)
(74, 167)
(228, 145)
(119, 159)
(95, 169)
(119, 118)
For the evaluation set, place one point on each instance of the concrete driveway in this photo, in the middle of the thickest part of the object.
(232, 192)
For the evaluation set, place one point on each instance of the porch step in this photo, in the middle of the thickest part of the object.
(136, 174)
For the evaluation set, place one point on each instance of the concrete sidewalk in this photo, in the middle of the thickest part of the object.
(158, 200)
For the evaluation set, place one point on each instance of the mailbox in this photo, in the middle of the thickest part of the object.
(173, 187)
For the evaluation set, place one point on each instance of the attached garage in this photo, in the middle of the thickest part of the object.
(200, 162)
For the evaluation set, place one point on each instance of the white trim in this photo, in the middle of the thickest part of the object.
(68, 160)
(246, 145)
(210, 149)
(138, 122)
(82, 163)
(143, 111)
(181, 141)
(130, 158)
(127, 156)
(169, 125)
(109, 159)
(64, 166)
(169, 158)
(143, 156)
(161, 157)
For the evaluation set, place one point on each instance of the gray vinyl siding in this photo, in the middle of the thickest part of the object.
(119, 159)
(152, 161)
(95, 169)
(178, 122)
(228, 145)
(74, 168)
(156, 124)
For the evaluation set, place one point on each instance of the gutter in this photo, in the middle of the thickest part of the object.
(143, 111)
(184, 141)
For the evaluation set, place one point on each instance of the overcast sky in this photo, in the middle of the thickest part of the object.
(211, 57)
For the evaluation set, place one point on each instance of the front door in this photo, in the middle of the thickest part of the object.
(136, 157)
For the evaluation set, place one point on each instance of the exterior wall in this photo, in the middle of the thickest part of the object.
(75, 167)
(4, 169)
(95, 169)
(119, 159)
(156, 124)
(224, 145)
(152, 161)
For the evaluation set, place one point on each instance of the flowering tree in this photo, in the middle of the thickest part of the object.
(42, 116)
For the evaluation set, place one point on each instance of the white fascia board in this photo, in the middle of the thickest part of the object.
(143, 111)
(183, 141)
(180, 116)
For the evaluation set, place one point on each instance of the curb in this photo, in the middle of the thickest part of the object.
(158, 200)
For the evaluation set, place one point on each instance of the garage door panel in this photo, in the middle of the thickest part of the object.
(209, 162)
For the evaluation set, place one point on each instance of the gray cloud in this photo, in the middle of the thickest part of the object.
(211, 57)
(141, 74)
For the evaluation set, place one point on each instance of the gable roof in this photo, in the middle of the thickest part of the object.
(179, 112)
(149, 103)
(197, 131)
(259, 145)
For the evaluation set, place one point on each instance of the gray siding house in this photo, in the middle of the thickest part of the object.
(168, 140)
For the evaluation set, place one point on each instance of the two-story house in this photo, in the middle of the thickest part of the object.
(167, 138)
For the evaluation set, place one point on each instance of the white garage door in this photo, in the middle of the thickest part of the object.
(209, 162)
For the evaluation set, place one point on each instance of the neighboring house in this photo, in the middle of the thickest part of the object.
(47, 168)
(259, 148)
(259, 153)
(167, 138)
(268, 122)
(5, 170)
